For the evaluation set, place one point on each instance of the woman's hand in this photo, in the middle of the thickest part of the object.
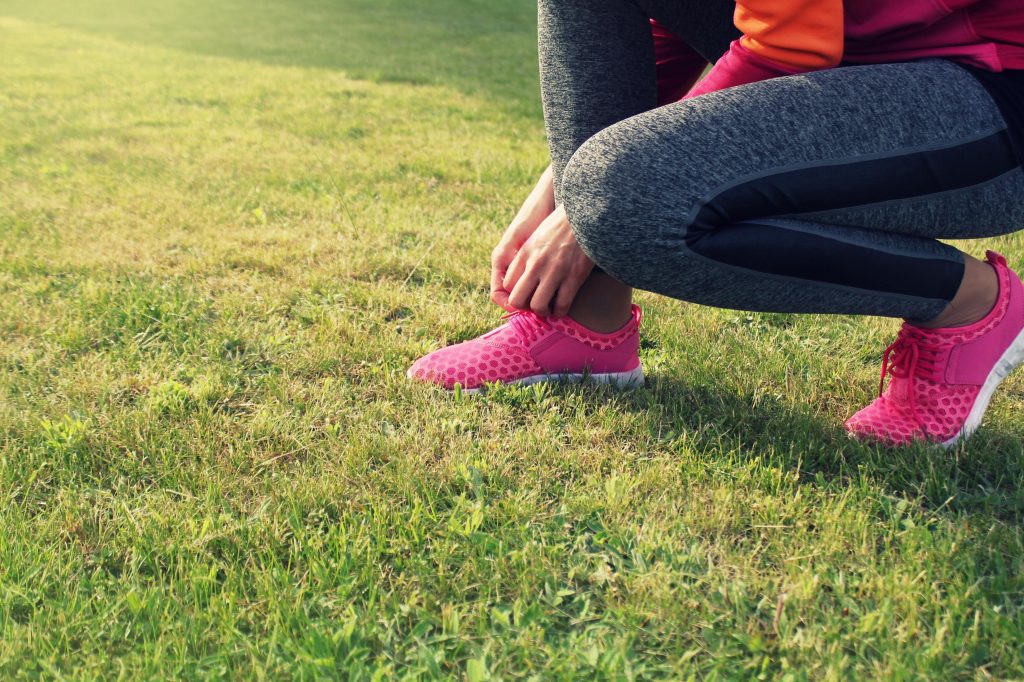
(538, 206)
(548, 270)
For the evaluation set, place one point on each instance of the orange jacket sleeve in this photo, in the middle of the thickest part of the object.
(780, 38)
(801, 34)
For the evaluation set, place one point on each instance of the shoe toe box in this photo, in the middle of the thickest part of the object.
(472, 364)
(882, 423)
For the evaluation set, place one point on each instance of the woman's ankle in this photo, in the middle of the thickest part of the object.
(603, 304)
(603, 321)
(975, 299)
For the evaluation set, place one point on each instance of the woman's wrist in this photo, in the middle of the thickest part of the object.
(543, 194)
(538, 205)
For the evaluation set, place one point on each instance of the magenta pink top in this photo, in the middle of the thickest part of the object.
(987, 34)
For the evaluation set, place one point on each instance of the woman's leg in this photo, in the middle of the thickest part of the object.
(597, 60)
(813, 194)
(598, 68)
(825, 193)
(597, 65)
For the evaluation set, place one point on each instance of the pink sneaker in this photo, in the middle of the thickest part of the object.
(529, 348)
(943, 379)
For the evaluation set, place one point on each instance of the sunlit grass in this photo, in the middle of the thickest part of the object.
(217, 260)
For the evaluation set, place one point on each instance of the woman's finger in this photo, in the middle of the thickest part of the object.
(567, 291)
(543, 295)
(501, 258)
(498, 294)
(519, 297)
(499, 298)
(514, 272)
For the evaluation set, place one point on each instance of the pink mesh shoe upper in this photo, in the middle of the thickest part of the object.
(920, 402)
(528, 345)
(593, 339)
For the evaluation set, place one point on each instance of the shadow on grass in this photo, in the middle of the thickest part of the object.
(983, 476)
(474, 46)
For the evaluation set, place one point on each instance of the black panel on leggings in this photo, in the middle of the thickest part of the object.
(727, 230)
(833, 186)
(1007, 90)
(774, 249)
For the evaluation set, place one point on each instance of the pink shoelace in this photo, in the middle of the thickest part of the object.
(910, 356)
(527, 324)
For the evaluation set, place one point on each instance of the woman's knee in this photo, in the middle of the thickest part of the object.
(604, 204)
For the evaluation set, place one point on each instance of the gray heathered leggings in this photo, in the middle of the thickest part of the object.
(819, 193)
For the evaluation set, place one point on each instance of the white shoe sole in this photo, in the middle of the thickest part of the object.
(631, 379)
(1010, 358)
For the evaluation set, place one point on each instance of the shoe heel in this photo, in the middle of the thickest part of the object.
(1011, 358)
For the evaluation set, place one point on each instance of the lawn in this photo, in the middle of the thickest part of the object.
(227, 228)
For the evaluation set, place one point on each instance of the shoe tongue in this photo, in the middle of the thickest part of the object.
(505, 334)
(495, 332)
(900, 387)
(898, 390)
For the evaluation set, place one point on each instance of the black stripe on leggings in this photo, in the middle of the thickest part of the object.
(859, 183)
(775, 250)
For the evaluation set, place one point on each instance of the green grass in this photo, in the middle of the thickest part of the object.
(227, 228)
